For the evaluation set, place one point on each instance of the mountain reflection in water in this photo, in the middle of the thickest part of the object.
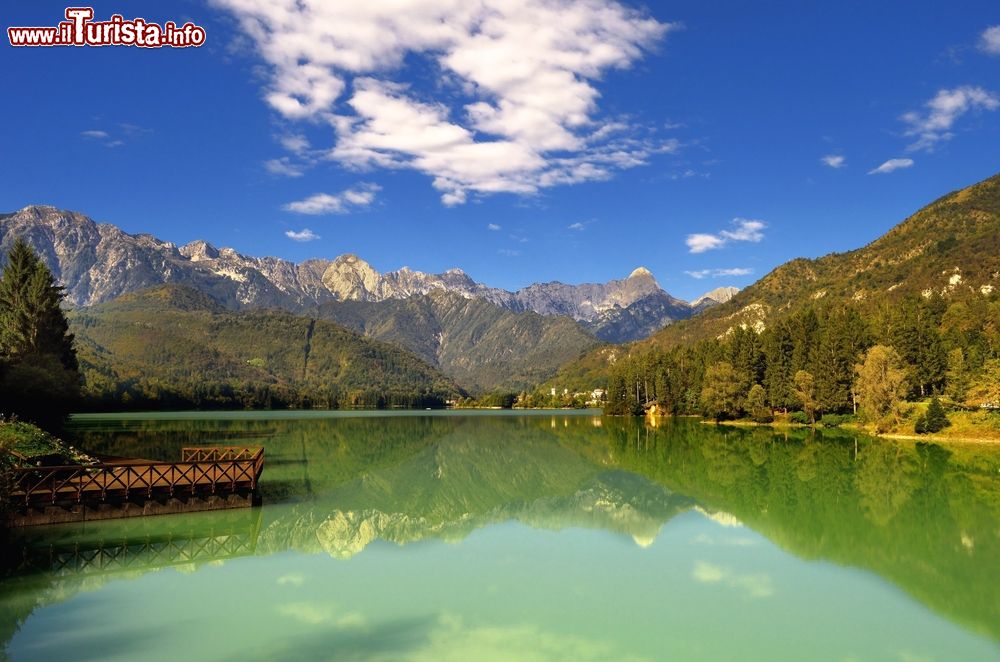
(921, 516)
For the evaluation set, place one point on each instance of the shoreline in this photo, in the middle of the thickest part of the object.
(898, 436)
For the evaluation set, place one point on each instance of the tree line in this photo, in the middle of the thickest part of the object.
(825, 360)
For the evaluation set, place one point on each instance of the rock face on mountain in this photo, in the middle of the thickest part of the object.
(640, 318)
(97, 262)
(480, 345)
(715, 297)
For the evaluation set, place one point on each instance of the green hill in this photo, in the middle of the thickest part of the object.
(950, 248)
(945, 257)
(174, 346)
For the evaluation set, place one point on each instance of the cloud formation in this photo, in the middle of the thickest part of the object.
(834, 161)
(719, 273)
(575, 226)
(352, 199)
(989, 41)
(515, 108)
(284, 167)
(891, 165)
(933, 125)
(117, 136)
(493, 226)
(743, 229)
(302, 235)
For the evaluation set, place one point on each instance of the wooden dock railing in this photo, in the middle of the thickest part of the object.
(201, 470)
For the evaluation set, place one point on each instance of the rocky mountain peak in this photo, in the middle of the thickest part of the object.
(98, 262)
(716, 296)
(199, 250)
(350, 278)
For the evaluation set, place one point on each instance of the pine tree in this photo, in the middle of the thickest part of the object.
(935, 419)
(778, 350)
(720, 393)
(39, 379)
(757, 405)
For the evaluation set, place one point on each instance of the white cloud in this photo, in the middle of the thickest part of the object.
(294, 143)
(744, 229)
(934, 125)
(493, 226)
(302, 235)
(989, 41)
(530, 119)
(508, 252)
(834, 160)
(575, 226)
(94, 133)
(891, 165)
(283, 166)
(351, 199)
(699, 243)
(719, 273)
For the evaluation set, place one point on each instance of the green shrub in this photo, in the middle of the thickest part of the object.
(799, 417)
(834, 420)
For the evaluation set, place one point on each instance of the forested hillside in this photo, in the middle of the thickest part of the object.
(926, 292)
(173, 346)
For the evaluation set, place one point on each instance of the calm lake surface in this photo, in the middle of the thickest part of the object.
(548, 535)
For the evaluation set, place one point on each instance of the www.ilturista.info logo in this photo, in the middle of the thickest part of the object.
(79, 29)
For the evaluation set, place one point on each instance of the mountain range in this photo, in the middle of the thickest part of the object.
(482, 337)
(97, 262)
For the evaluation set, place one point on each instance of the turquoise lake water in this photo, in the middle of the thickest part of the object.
(537, 536)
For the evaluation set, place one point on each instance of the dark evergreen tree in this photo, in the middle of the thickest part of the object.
(935, 419)
(39, 377)
(778, 374)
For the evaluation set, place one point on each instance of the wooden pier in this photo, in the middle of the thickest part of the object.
(204, 479)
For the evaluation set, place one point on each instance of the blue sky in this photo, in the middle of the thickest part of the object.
(519, 143)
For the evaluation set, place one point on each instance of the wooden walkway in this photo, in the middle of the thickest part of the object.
(201, 471)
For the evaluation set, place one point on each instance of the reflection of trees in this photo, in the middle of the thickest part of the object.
(920, 515)
(886, 480)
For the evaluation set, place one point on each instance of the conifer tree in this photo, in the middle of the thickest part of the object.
(935, 419)
(778, 350)
(39, 378)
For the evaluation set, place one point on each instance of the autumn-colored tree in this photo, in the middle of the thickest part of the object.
(881, 382)
(805, 391)
(985, 391)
